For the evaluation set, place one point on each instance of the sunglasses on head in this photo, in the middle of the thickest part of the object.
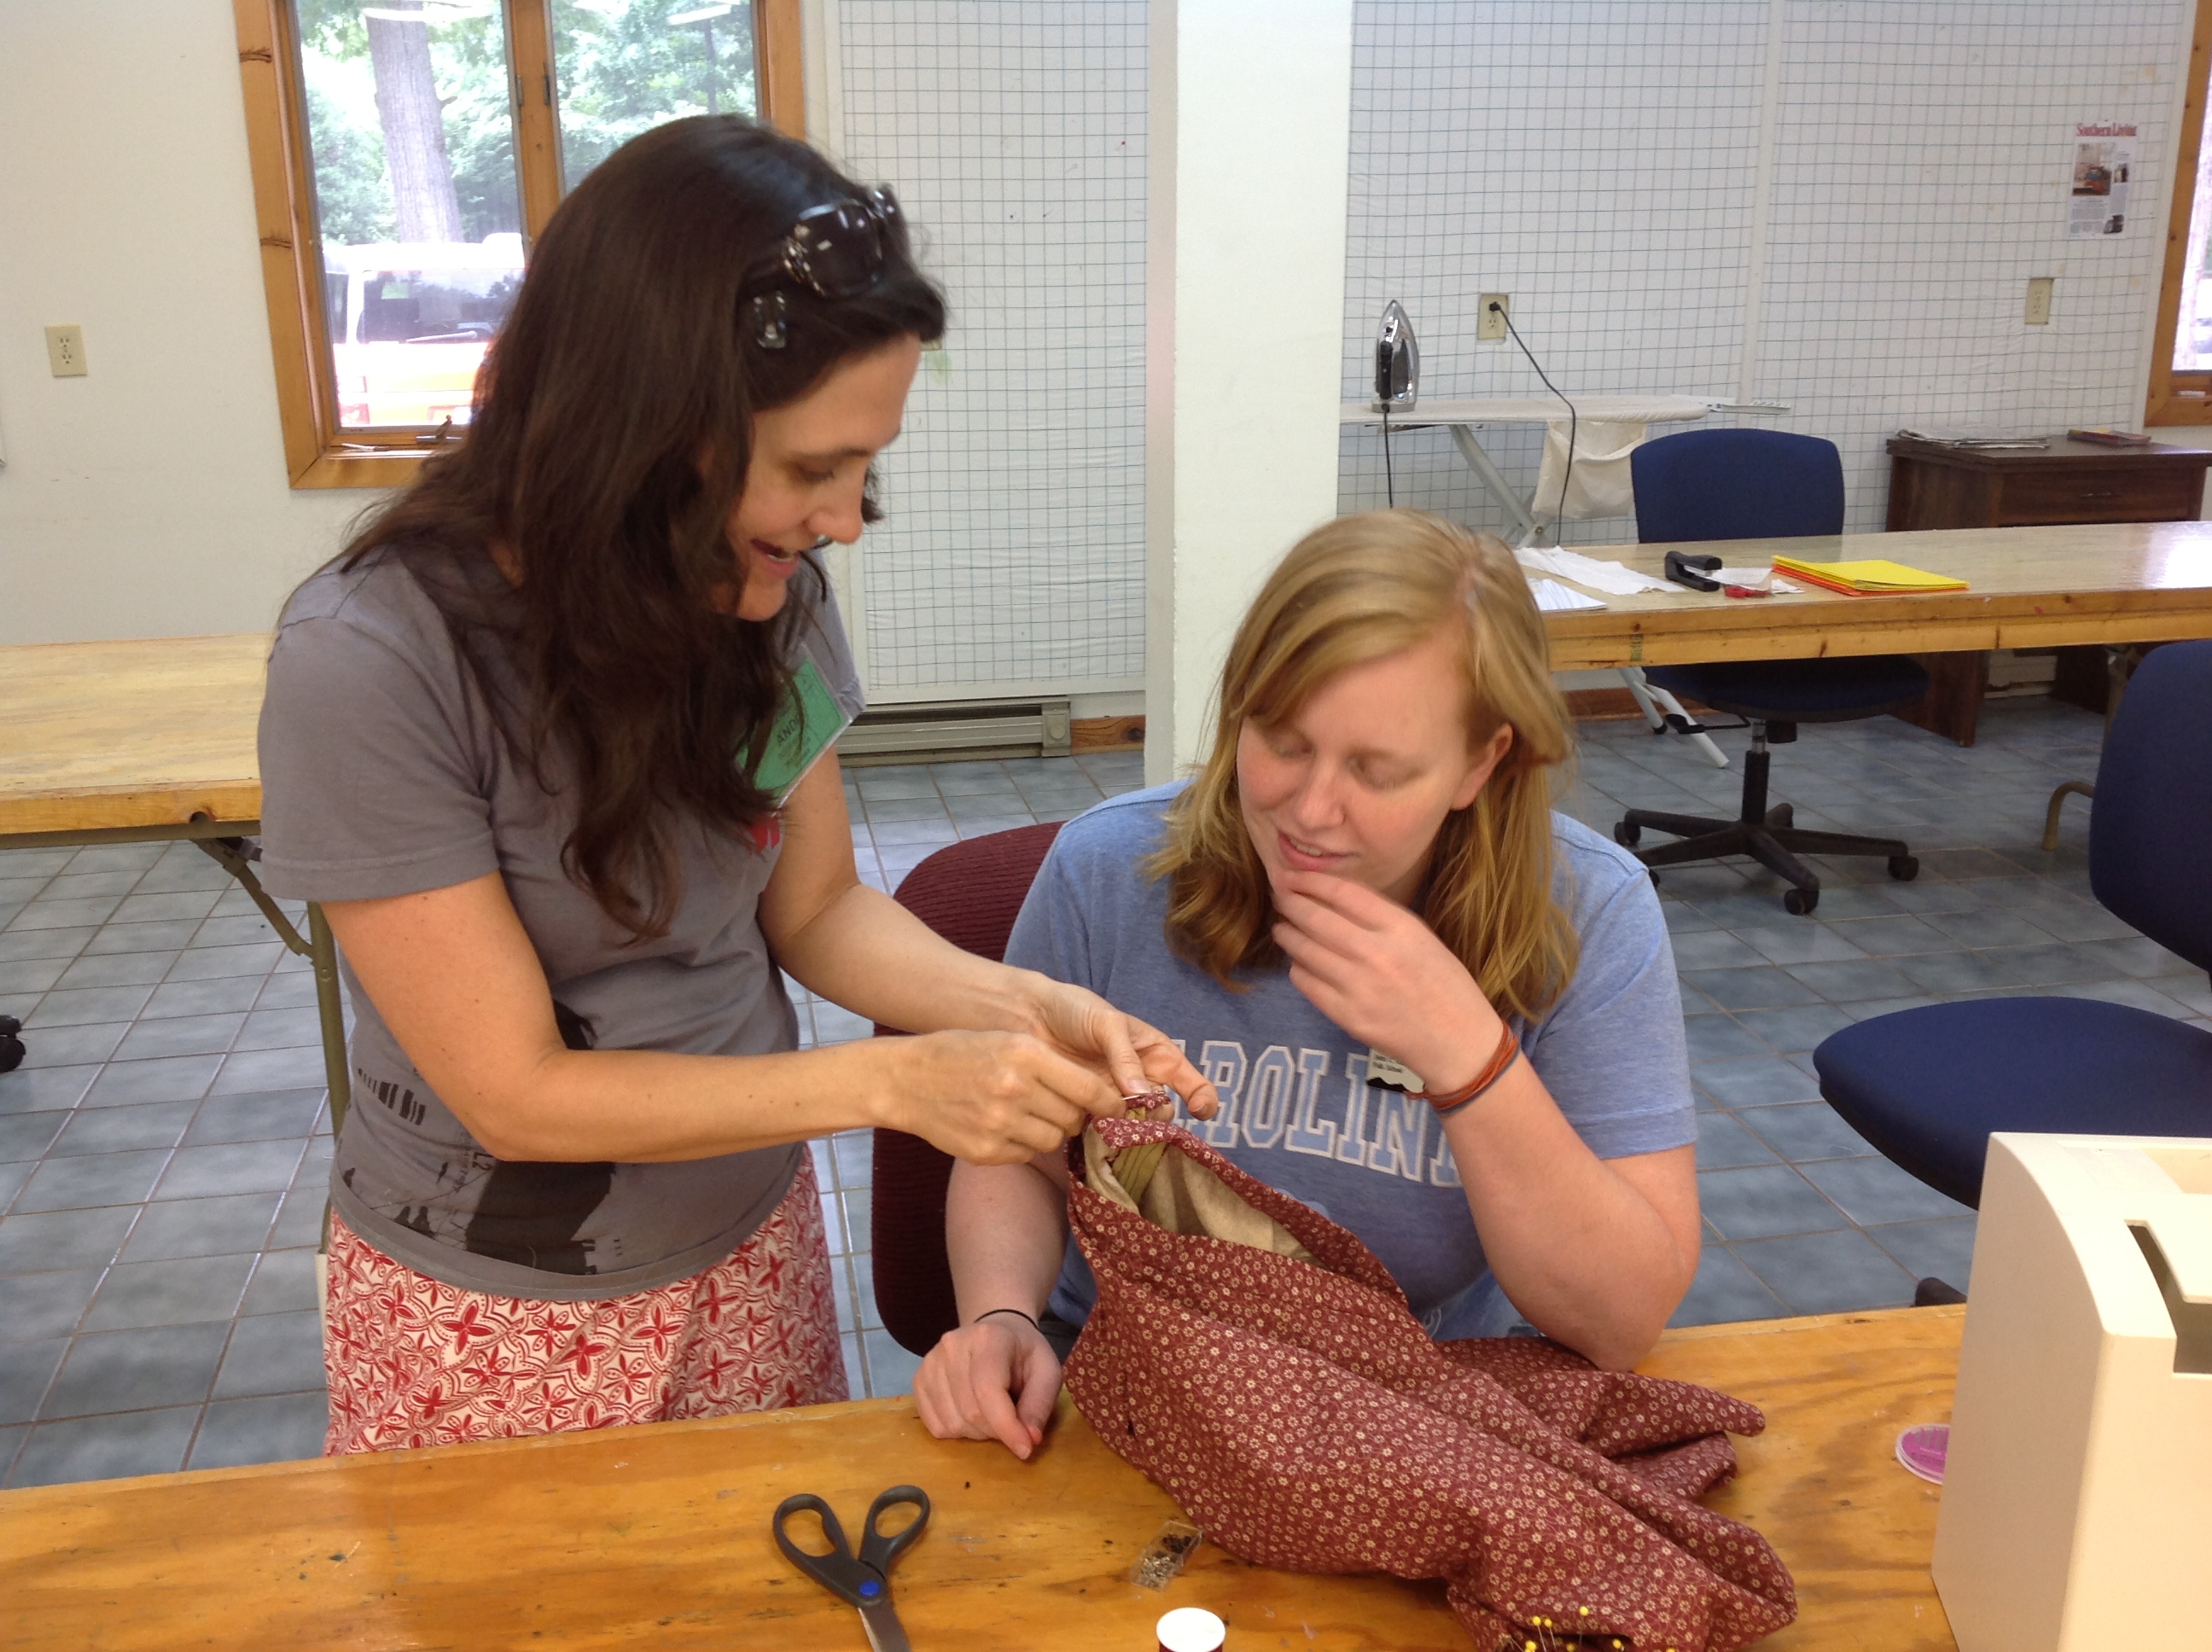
(834, 251)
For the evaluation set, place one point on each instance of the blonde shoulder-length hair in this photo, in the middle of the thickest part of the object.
(1358, 589)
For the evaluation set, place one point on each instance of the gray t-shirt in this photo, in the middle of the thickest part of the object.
(1296, 1108)
(384, 773)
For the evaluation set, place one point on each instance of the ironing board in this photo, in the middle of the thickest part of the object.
(1460, 418)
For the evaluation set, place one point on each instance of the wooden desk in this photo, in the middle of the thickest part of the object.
(1932, 486)
(2029, 588)
(659, 1534)
(126, 742)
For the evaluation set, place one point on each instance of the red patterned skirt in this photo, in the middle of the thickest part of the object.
(415, 1361)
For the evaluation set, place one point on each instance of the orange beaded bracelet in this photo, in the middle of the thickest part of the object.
(1507, 1053)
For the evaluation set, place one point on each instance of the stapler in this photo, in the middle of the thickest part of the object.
(1681, 567)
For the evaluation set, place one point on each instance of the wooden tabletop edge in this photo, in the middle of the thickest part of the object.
(1809, 1322)
(23, 1499)
(239, 638)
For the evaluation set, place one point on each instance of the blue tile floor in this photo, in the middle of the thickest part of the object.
(163, 1150)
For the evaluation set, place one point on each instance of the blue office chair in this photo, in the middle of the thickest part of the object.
(1760, 484)
(1927, 1086)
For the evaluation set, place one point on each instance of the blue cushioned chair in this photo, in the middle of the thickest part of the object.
(1927, 1086)
(1760, 484)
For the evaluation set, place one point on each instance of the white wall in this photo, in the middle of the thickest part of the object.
(1259, 127)
(150, 497)
(1836, 206)
(1012, 557)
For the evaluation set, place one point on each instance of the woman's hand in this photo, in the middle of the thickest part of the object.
(1381, 974)
(989, 1097)
(1136, 1057)
(997, 1379)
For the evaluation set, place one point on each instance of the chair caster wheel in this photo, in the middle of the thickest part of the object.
(1904, 868)
(1783, 816)
(1800, 902)
(11, 1047)
(1628, 835)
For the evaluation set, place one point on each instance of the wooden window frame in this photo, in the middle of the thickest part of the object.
(2182, 398)
(317, 452)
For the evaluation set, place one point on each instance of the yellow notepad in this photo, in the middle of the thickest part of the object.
(1867, 578)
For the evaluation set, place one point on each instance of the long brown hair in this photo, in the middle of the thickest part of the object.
(1358, 589)
(611, 437)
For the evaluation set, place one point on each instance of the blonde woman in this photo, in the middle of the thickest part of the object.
(1427, 1005)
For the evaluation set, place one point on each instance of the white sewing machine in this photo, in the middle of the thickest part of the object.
(2078, 1497)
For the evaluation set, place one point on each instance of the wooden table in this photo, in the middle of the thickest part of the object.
(1935, 486)
(659, 1535)
(2028, 588)
(127, 742)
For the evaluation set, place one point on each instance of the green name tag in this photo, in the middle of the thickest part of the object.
(809, 724)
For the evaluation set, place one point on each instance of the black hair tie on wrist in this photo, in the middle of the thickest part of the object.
(986, 1314)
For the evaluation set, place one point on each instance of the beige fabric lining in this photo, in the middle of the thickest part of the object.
(1175, 1192)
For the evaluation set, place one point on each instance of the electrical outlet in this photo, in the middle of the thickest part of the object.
(65, 351)
(1491, 312)
(2038, 310)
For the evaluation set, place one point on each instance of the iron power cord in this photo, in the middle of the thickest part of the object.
(1390, 479)
(1574, 419)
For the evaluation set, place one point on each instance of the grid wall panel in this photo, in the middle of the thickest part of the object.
(1600, 161)
(1014, 545)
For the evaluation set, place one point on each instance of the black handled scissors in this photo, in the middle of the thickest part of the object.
(865, 1580)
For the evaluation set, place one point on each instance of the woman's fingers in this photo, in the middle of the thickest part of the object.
(995, 1414)
(1354, 902)
(1081, 1085)
(1164, 1063)
(1086, 1027)
(993, 1098)
(1323, 996)
(965, 1389)
(1111, 1036)
(1038, 1369)
(1314, 957)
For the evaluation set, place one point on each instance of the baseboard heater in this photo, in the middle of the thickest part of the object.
(946, 730)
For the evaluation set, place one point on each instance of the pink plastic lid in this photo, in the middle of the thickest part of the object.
(1922, 1449)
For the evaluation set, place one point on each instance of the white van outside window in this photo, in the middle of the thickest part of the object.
(409, 323)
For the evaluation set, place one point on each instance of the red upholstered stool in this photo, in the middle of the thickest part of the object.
(969, 893)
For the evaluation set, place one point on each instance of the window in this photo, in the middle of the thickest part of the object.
(2181, 367)
(404, 152)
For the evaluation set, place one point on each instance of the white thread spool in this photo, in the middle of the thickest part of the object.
(1191, 1629)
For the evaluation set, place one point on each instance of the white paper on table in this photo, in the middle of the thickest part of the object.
(1552, 598)
(1613, 578)
(1759, 578)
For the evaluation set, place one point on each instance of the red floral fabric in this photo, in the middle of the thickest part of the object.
(416, 1361)
(1300, 1415)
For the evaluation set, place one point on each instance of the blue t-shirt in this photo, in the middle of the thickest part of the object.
(1297, 1110)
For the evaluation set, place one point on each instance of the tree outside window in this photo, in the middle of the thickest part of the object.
(406, 150)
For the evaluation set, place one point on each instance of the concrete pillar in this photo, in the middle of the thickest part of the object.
(1250, 137)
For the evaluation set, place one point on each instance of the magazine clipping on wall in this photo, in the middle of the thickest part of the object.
(2104, 156)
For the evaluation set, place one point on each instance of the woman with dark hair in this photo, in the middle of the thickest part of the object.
(551, 743)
